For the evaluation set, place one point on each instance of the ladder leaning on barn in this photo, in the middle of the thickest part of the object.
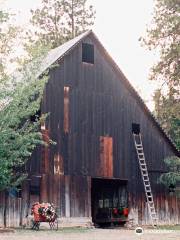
(145, 178)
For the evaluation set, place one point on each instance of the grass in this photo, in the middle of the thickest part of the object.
(170, 227)
(60, 230)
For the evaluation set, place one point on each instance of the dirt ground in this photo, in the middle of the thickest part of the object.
(92, 234)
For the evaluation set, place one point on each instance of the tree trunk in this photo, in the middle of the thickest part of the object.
(72, 19)
(5, 208)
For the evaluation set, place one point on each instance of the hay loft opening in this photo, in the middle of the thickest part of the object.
(135, 128)
(88, 53)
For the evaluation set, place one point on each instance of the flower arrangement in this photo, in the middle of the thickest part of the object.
(44, 210)
(47, 210)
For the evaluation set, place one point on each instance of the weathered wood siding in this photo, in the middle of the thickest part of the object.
(99, 103)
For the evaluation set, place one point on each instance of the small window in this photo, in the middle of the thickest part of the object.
(135, 128)
(88, 53)
(100, 203)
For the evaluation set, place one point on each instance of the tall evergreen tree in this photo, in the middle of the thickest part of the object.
(57, 21)
(164, 35)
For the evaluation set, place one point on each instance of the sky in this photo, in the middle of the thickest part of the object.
(118, 25)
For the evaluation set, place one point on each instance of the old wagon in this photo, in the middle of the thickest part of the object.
(44, 212)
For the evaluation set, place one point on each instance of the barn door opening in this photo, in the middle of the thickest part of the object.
(109, 201)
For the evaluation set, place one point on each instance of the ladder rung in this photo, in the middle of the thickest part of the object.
(145, 177)
(138, 144)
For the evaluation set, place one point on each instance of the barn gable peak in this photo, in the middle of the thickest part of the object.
(58, 53)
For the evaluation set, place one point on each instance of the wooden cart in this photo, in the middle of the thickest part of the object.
(44, 212)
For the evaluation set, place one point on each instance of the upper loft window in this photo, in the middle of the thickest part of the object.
(88, 53)
(135, 128)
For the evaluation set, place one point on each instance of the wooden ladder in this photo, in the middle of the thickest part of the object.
(145, 178)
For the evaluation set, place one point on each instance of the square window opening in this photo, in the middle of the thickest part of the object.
(135, 128)
(88, 53)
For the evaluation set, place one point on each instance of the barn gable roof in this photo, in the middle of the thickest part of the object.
(58, 53)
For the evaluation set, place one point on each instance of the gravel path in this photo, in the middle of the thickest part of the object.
(91, 234)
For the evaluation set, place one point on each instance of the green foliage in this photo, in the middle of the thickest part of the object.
(163, 35)
(8, 34)
(57, 21)
(18, 135)
(173, 175)
(167, 111)
(20, 97)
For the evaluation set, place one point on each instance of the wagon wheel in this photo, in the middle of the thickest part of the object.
(54, 224)
(35, 225)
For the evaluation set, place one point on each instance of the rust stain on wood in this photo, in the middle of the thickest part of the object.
(44, 188)
(66, 109)
(45, 151)
(106, 156)
(58, 164)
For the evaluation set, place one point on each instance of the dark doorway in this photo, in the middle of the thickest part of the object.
(109, 201)
(135, 128)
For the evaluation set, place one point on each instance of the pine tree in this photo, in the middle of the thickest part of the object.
(78, 16)
(163, 35)
(57, 21)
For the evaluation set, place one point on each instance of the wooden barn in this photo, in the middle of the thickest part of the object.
(94, 165)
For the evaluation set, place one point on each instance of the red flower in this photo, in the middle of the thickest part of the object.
(115, 211)
(125, 212)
